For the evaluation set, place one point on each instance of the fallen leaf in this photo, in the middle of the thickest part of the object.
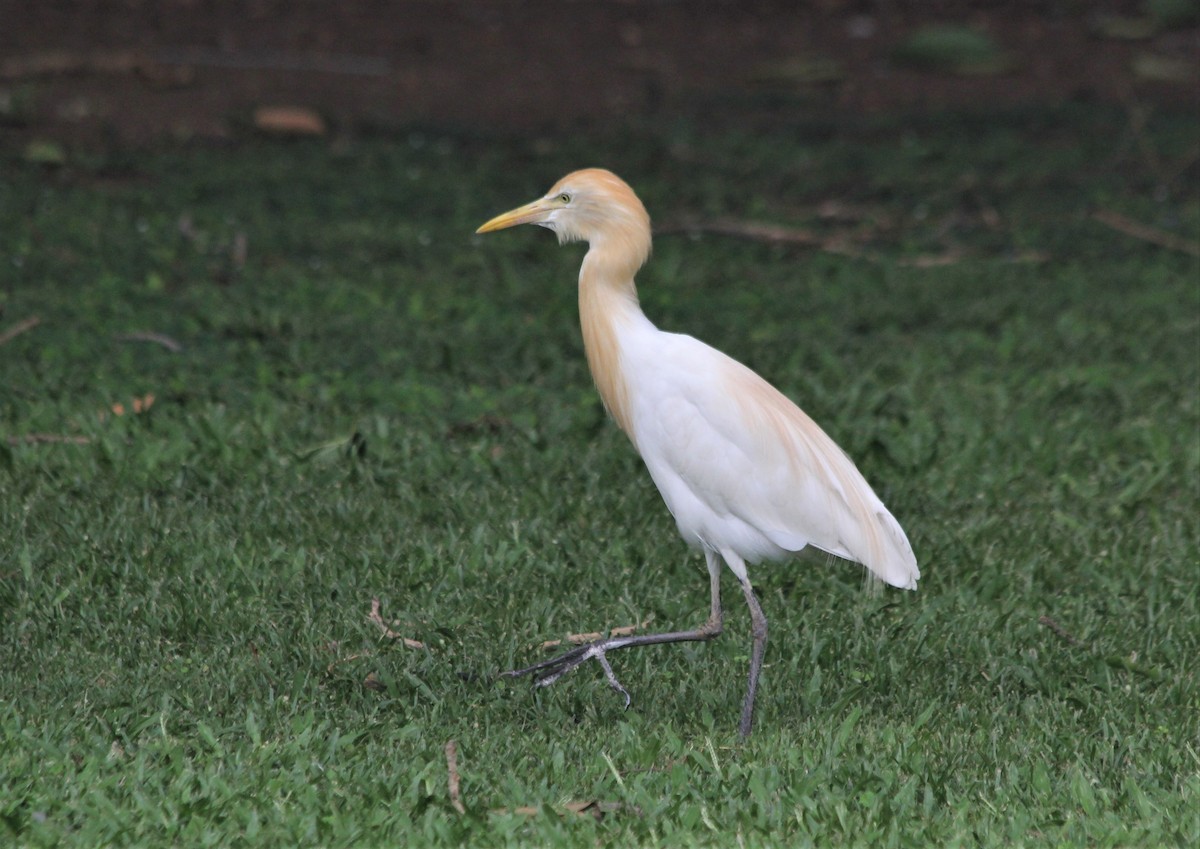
(289, 121)
(372, 682)
(139, 405)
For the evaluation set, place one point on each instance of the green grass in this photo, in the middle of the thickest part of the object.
(380, 404)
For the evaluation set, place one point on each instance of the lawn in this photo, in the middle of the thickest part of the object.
(247, 390)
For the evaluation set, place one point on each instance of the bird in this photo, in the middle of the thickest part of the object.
(745, 473)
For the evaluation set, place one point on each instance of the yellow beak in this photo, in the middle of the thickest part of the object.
(530, 213)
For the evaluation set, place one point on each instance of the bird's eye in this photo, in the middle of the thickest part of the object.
(564, 198)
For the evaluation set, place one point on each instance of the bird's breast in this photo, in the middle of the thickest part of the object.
(615, 333)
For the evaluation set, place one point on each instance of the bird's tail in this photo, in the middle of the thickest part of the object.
(891, 556)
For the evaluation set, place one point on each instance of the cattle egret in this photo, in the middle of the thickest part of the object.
(746, 474)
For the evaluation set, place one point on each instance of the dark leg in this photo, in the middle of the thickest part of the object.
(758, 627)
(549, 671)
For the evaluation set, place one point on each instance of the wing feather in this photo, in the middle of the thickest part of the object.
(745, 452)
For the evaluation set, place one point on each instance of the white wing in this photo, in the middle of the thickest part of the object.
(741, 467)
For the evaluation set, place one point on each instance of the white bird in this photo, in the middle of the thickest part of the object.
(746, 474)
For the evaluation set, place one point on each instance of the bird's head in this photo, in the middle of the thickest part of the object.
(592, 205)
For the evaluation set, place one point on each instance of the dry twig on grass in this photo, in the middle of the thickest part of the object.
(771, 234)
(592, 636)
(753, 230)
(150, 336)
(1125, 224)
(374, 616)
(348, 658)
(40, 438)
(452, 772)
(595, 808)
(19, 328)
(1059, 630)
(1127, 664)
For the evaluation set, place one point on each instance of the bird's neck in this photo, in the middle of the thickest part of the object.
(608, 306)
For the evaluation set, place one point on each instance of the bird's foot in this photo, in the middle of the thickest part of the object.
(549, 671)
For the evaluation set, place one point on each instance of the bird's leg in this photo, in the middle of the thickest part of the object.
(548, 671)
(758, 627)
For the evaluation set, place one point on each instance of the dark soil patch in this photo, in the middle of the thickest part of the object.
(137, 71)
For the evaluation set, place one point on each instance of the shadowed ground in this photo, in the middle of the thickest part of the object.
(187, 69)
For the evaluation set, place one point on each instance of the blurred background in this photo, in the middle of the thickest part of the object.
(134, 71)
